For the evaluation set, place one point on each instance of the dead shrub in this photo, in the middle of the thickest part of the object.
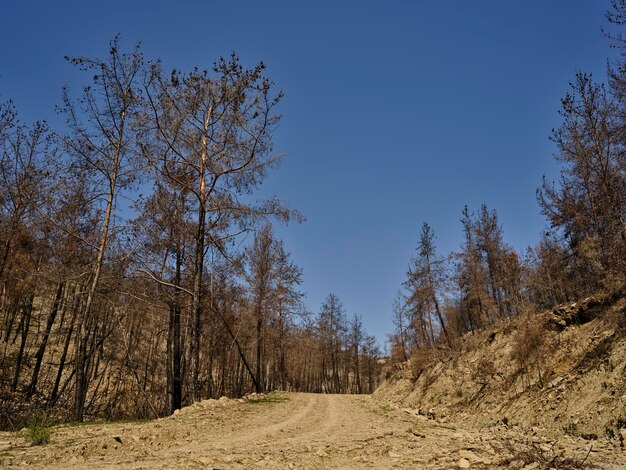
(528, 454)
(420, 360)
(529, 345)
(483, 371)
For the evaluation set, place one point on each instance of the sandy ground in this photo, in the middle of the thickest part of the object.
(290, 431)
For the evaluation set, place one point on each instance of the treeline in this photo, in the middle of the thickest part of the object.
(130, 282)
(583, 252)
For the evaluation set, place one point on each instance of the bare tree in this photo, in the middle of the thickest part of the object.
(332, 330)
(214, 130)
(589, 203)
(288, 304)
(261, 260)
(25, 173)
(426, 278)
(272, 282)
(356, 344)
(25, 178)
(101, 143)
(400, 340)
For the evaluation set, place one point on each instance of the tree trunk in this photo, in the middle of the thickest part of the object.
(75, 308)
(44, 342)
(357, 368)
(282, 365)
(173, 346)
(25, 326)
(199, 267)
(259, 351)
(82, 381)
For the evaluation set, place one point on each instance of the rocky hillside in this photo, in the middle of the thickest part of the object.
(562, 371)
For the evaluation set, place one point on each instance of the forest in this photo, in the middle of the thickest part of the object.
(138, 272)
(581, 253)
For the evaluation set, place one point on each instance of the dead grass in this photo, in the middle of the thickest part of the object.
(266, 398)
(550, 458)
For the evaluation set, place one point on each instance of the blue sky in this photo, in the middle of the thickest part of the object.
(395, 112)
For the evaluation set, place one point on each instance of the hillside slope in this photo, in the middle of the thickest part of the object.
(563, 371)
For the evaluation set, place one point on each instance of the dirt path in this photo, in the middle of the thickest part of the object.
(293, 431)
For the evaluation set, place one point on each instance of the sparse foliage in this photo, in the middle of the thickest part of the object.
(116, 304)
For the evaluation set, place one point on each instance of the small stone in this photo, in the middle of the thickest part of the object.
(463, 463)
(468, 455)
(531, 466)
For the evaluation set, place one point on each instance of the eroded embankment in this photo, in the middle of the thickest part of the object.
(563, 371)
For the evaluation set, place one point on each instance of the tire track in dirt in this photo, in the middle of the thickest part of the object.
(303, 411)
(292, 426)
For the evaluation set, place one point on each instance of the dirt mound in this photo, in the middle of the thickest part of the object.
(563, 371)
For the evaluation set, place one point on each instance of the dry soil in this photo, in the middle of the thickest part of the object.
(289, 430)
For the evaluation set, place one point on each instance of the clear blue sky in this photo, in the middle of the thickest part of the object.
(395, 113)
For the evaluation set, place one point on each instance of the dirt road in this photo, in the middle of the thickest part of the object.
(290, 431)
